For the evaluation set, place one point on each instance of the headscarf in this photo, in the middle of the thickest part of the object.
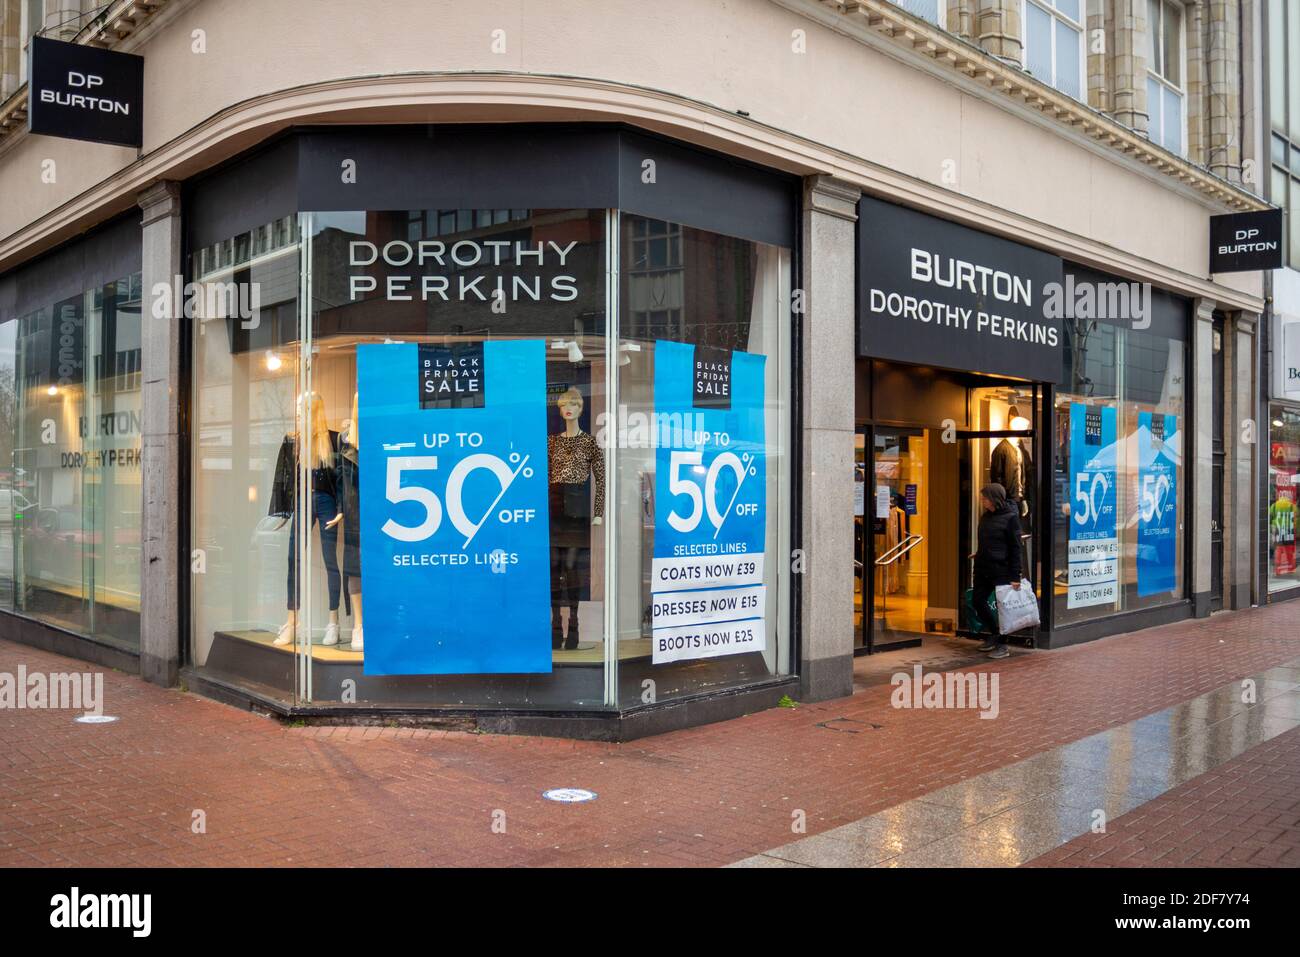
(996, 494)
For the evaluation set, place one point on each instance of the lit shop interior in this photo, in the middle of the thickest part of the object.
(573, 331)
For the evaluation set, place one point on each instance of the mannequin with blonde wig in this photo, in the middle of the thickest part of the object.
(324, 506)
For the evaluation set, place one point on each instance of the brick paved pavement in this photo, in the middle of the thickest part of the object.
(1244, 813)
(124, 793)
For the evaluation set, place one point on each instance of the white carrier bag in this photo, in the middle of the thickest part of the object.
(1017, 610)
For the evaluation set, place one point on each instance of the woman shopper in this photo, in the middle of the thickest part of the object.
(997, 561)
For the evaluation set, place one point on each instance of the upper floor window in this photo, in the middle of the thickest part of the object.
(1054, 43)
(931, 10)
(31, 19)
(1165, 74)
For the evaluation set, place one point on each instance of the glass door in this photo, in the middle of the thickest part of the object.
(897, 499)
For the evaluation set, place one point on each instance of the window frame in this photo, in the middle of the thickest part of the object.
(1167, 84)
(1049, 7)
(940, 5)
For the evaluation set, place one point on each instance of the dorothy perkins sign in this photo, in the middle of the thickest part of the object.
(934, 293)
(84, 93)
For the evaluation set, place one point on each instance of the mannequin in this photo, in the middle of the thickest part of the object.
(1012, 468)
(573, 456)
(325, 508)
(350, 480)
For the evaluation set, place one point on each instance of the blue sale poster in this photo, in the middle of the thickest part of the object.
(1158, 453)
(708, 596)
(454, 531)
(1094, 539)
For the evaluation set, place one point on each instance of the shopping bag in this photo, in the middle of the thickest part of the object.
(1017, 610)
(974, 620)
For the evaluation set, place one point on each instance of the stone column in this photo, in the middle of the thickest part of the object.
(160, 582)
(1245, 431)
(1202, 465)
(11, 16)
(1129, 63)
(998, 30)
(1223, 77)
(1098, 54)
(960, 19)
(828, 375)
(63, 18)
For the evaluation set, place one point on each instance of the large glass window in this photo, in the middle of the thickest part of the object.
(246, 356)
(1283, 492)
(703, 461)
(1283, 31)
(1119, 474)
(70, 493)
(440, 452)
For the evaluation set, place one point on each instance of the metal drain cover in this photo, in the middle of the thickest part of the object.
(845, 725)
(569, 795)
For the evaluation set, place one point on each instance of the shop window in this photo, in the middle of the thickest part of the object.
(1119, 472)
(702, 462)
(70, 492)
(282, 414)
(1283, 497)
(1165, 74)
(1053, 49)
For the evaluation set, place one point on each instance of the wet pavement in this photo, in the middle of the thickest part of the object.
(1149, 729)
(1011, 816)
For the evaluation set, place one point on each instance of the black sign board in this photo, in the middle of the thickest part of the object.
(933, 293)
(711, 384)
(84, 93)
(452, 377)
(1244, 242)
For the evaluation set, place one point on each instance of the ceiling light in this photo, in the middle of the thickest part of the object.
(569, 345)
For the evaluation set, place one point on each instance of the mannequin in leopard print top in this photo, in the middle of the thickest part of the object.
(573, 457)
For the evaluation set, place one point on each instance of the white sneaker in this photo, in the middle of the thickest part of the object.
(285, 636)
(331, 634)
(357, 644)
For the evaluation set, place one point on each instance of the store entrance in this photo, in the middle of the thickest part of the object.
(916, 512)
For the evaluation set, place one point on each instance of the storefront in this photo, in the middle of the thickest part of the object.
(982, 360)
(515, 393)
(1283, 467)
(525, 406)
(70, 444)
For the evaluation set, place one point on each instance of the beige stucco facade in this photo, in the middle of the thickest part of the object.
(834, 101)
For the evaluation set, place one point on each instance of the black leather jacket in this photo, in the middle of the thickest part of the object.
(998, 556)
(325, 479)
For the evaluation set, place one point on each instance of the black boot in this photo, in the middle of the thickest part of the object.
(557, 633)
(571, 641)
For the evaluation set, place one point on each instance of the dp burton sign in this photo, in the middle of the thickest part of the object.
(80, 92)
(1244, 242)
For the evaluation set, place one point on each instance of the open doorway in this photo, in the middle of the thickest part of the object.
(916, 514)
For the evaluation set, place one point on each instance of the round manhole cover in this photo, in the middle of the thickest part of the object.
(96, 719)
(569, 795)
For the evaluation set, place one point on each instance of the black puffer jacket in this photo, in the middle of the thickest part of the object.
(997, 558)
